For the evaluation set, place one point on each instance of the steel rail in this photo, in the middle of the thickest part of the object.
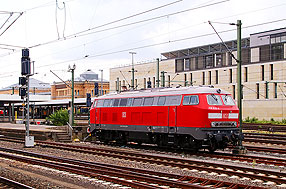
(11, 183)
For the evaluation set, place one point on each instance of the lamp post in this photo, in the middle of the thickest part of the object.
(71, 69)
(132, 70)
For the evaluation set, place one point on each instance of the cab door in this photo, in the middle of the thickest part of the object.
(172, 112)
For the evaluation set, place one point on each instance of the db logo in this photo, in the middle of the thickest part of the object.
(123, 114)
(225, 116)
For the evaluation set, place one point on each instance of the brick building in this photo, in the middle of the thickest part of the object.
(263, 72)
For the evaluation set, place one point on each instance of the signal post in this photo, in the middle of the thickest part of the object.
(24, 93)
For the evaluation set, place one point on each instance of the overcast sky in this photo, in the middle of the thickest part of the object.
(72, 32)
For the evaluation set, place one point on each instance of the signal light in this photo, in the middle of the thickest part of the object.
(25, 62)
(22, 81)
(22, 92)
(95, 88)
(88, 100)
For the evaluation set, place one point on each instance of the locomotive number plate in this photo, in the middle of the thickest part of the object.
(225, 116)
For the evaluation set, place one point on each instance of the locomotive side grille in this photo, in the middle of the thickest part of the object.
(224, 124)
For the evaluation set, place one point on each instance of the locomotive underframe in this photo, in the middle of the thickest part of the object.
(182, 137)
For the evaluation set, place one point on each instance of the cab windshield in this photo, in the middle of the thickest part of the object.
(214, 99)
(227, 100)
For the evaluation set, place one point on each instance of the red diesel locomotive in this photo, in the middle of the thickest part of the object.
(185, 117)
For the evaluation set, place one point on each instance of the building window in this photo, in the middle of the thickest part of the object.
(191, 78)
(136, 84)
(209, 61)
(262, 72)
(210, 77)
(123, 83)
(169, 81)
(187, 64)
(218, 60)
(233, 91)
(216, 77)
(277, 51)
(91, 92)
(278, 38)
(266, 90)
(196, 63)
(203, 82)
(245, 74)
(179, 65)
(275, 90)
(230, 75)
(185, 80)
(264, 53)
(144, 83)
(257, 90)
(271, 72)
(154, 82)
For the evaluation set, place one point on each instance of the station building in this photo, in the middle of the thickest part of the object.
(88, 82)
(36, 88)
(263, 72)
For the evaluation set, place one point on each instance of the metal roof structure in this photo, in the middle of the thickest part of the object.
(34, 83)
(206, 49)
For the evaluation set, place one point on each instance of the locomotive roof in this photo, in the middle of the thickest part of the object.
(165, 91)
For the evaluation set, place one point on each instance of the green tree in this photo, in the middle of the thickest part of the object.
(59, 118)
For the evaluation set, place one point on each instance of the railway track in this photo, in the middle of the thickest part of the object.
(264, 127)
(131, 177)
(265, 138)
(197, 165)
(8, 183)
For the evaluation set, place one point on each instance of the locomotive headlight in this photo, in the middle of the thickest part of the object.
(214, 124)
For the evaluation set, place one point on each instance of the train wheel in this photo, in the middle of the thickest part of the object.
(212, 147)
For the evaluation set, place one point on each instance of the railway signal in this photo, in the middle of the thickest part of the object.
(88, 100)
(24, 92)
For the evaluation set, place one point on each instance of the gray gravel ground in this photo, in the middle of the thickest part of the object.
(39, 177)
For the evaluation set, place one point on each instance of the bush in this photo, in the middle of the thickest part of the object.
(253, 120)
(59, 118)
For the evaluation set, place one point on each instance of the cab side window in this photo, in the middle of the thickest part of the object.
(99, 103)
(137, 101)
(161, 101)
(191, 100)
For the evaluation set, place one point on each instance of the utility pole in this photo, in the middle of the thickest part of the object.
(13, 109)
(132, 70)
(163, 78)
(239, 92)
(158, 71)
(71, 69)
(101, 84)
(240, 149)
